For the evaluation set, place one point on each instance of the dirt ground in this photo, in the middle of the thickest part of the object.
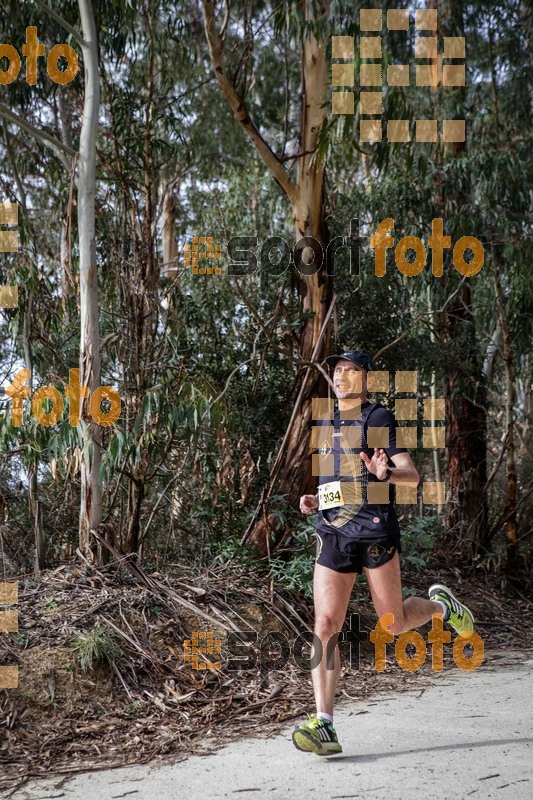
(145, 702)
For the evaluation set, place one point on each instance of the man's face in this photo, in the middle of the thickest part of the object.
(349, 380)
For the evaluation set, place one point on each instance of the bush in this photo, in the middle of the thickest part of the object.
(98, 647)
(292, 566)
(418, 538)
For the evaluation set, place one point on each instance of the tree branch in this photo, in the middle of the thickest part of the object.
(234, 372)
(64, 24)
(405, 333)
(298, 155)
(239, 109)
(417, 319)
(58, 147)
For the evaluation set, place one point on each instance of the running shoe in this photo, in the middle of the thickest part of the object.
(316, 736)
(459, 616)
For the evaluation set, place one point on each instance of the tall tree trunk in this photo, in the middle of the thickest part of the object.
(135, 499)
(315, 291)
(91, 494)
(465, 391)
(306, 197)
(466, 436)
(33, 471)
(168, 233)
(434, 395)
(33, 493)
(511, 528)
(141, 374)
(66, 222)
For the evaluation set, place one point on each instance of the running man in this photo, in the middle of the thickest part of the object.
(355, 535)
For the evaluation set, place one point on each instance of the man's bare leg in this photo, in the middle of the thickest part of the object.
(331, 591)
(385, 584)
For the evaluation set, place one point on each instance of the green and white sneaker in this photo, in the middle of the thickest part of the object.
(316, 736)
(459, 616)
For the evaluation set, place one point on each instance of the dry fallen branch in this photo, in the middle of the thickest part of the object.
(149, 704)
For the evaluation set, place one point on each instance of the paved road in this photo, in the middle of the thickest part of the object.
(465, 735)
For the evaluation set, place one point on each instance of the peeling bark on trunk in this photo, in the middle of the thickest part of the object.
(511, 527)
(315, 291)
(66, 264)
(91, 495)
(306, 197)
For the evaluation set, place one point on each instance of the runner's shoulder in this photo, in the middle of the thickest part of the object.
(379, 415)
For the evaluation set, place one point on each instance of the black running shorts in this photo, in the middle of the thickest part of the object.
(343, 554)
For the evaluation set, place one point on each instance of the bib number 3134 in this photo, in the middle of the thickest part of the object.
(330, 495)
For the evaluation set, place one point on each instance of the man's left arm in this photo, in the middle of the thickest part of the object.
(404, 471)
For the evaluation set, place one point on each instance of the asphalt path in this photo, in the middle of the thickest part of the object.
(459, 735)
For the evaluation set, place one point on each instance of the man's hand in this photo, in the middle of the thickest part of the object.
(378, 464)
(308, 503)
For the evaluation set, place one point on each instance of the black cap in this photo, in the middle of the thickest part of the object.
(356, 356)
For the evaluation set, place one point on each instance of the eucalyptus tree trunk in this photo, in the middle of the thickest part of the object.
(146, 307)
(33, 471)
(434, 394)
(91, 494)
(464, 385)
(511, 479)
(306, 196)
(33, 494)
(66, 222)
(170, 247)
(316, 290)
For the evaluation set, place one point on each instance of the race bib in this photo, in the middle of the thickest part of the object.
(330, 495)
